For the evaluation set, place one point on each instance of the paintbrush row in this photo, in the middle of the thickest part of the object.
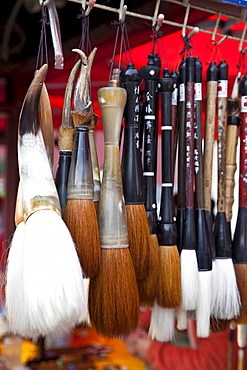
(176, 261)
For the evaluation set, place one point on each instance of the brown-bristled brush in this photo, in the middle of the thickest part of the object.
(95, 163)
(132, 173)
(80, 214)
(169, 277)
(113, 294)
(150, 73)
(66, 136)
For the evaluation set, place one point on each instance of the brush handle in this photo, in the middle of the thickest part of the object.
(243, 147)
(181, 154)
(166, 226)
(150, 143)
(189, 133)
(112, 213)
(80, 182)
(62, 176)
(132, 173)
(198, 156)
(181, 128)
(209, 133)
(174, 115)
(231, 166)
(221, 140)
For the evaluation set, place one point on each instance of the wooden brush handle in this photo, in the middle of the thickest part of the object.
(112, 213)
(222, 116)
(231, 149)
(209, 142)
(174, 115)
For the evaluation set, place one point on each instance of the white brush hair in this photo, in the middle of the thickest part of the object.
(162, 323)
(181, 316)
(189, 279)
(242, 335)
(227, 301)
(214, 285)
(46, 294)
(204, 305)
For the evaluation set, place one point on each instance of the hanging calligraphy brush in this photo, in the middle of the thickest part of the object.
(189, 267)
(212, 77)
(181, 154)
(66, 135)
(169, 279)
(80, 214)
(113, 294)
(226, 304)
(233, 122)
(95, 163)
(203, 250)
(133, 180)
(150, 73)
(49, 297)
(239, 245)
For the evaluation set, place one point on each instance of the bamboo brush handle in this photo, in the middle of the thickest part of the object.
(209, 142)
(94, 158)
(112, 213)
(241, 340)
(231, 149)
(222, 116)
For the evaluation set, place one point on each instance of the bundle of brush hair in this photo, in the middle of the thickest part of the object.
(44, 290)
(113, 294)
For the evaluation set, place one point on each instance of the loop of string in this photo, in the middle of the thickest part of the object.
(187, 49)
(215, 53)
(157, 41)
(84, 44)
(123, 48)
(241, 65)
(42, 51)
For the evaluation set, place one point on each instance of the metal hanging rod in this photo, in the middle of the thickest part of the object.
(171, 23)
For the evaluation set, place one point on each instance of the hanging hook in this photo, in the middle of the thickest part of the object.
(122, 11)
(45, 3)
(186, 16)
(157, 5)
(215, 30)
(242, 39)
(90, 7)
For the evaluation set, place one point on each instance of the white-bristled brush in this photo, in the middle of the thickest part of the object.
(49, 295)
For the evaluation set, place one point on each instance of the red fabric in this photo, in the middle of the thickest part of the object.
(210, 354)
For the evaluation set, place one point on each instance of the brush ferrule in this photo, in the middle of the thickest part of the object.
(222, 237)
(40, 203)
(114, 246)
